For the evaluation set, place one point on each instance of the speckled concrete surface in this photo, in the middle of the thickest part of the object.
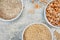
(13, 30)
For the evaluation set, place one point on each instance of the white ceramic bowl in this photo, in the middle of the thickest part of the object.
(37, 23)
(16, 16)
(46, 17)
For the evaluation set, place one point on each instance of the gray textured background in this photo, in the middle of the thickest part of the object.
(13, 30)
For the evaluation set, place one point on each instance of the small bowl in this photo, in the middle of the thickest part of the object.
(46, 17)
(37, 23)
(1, 19)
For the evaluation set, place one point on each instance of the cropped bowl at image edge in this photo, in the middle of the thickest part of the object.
(1, 19)
(47, 19)
(33, 24)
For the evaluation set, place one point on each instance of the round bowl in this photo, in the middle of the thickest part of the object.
(37, 23)
(16, 16)
(46, 17)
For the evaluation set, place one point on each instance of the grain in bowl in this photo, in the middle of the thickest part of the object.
(37, 32)
(10, 9)
(57, 34)
(53, 13)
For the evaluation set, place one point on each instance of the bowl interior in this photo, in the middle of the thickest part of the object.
(16, 16)
(46, 17)
(36, 23)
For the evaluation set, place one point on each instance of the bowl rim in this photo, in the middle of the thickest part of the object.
(46, 17)
(1, 19)
(37, 23)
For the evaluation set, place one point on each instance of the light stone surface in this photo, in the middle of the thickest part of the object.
(13, 30)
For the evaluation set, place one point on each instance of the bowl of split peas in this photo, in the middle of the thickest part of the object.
(52, 13)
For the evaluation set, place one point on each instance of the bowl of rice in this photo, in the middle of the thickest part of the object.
(10, 9)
